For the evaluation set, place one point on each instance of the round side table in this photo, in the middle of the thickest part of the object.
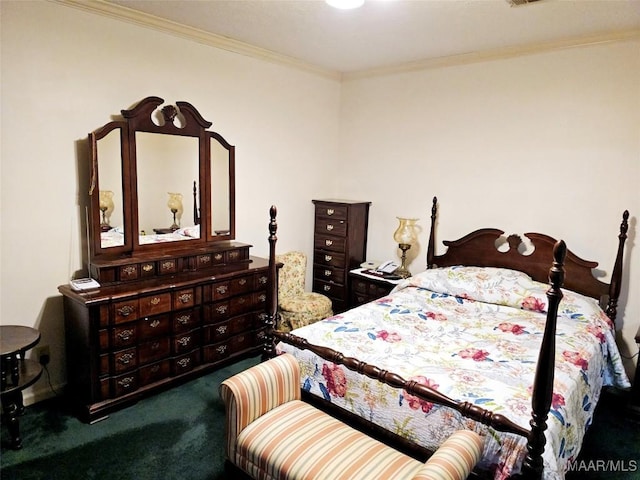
(18, 373)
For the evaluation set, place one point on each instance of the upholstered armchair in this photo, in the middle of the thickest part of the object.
(296, 306)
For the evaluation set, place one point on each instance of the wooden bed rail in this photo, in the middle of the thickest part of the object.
(542, 392)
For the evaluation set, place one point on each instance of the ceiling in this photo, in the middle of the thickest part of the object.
(389, 33)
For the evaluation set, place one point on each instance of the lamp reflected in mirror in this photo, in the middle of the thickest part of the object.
(406, 236)
(106, 207)
(175, 205)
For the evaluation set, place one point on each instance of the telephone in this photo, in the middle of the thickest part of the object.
(388, 267)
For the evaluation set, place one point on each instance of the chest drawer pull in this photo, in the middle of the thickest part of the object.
(221, 289)
(262, 280)
(327, 273)
(155, 300)
(126, 310)
(242, 300)
(184, 362)
(168, 265)
(125, 335)
(154, 323)
(126, 382)
(184, 341)
(329, 227)
(221, 349)
(243, 281)
(262, 297)
(330, 211)
(326, 288)
(328, 243)
(218, 256)
(222, 329)
(155, 368)
(221, 309)
(147, 267)
(125, 358)
(185, 297)
(183, 319)
(155, 345)
(328, 258)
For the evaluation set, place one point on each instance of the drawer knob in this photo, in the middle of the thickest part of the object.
(221, 329)
(221, 349)
(221, 309)
(328, 258)
(147, 267)
(184, 319)
(330, 211)
(327, 273)
(154, 323)
(329, 227)
(326, 288)
(184, 341)
(184, 362)
(221, 289)
(126, 382)
(328, 243)
(155, 301)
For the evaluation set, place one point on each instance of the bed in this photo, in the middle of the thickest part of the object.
(479, 329)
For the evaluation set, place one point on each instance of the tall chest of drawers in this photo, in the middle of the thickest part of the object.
(128, 341)
(340, 244)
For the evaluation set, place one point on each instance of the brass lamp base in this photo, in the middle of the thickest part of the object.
(402, 271)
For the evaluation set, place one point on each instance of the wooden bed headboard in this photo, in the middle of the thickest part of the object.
(479, 248)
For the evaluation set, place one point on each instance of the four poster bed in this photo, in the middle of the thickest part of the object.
(470, 344)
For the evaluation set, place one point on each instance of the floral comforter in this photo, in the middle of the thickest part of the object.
(473, 334)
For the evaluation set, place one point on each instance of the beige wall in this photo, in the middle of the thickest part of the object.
(496, 141)
(66, 72)
(540, 143)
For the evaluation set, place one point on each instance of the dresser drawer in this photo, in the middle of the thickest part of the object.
(153, 350)
(118, 337)
(333, 290)
(331, 210)
(125, 311)
(154, 372)
(331, 226)
(154, 304)
(328, 274)
(185, 320)
(329, 259)
(327, 242)
(185, 363)
(216, 311)
(186, 341)
(184, 298)
(124, 384)
(242, 304)
(153, 327)
(118, 362)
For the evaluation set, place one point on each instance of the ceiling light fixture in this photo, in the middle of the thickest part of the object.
(345, 4)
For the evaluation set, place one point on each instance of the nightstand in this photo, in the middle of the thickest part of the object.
(365, 288)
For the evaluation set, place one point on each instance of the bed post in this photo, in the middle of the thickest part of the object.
(431, 245)
(270, 317)
(542, 394)
(616, 276)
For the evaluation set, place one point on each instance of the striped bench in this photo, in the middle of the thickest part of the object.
(271, 434)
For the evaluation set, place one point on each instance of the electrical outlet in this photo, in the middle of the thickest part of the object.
(43, 355)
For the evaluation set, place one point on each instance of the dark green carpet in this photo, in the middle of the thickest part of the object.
(178, 434)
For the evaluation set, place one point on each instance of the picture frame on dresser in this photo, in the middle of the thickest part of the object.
(339, 245)
(174, 304)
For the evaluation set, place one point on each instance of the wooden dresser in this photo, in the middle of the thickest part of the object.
(340, 244)
(172, 304)
(129, 340)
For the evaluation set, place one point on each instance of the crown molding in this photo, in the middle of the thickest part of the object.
(135, 17)
(142, 19)
(495, 54)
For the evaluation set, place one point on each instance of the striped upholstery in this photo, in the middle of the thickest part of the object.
(281, 437)
(252, 393)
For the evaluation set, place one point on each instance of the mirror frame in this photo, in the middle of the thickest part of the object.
(140, 119)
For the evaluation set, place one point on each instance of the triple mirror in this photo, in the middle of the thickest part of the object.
(160, 180)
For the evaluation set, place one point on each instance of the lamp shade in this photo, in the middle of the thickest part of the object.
(405, 234)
